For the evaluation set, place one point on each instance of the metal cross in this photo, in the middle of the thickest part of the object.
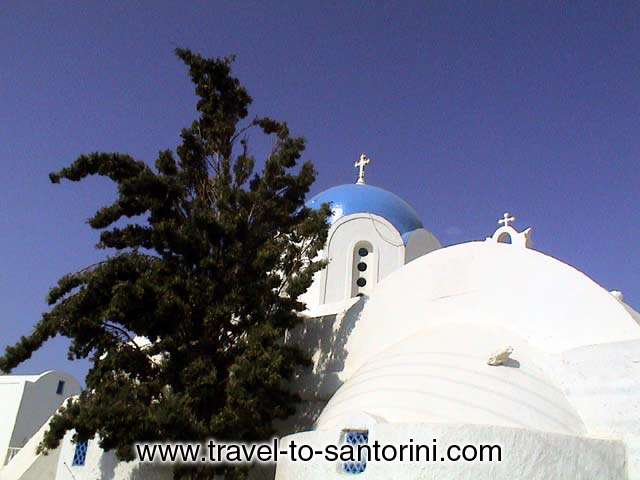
(506, 219)
(361, 164)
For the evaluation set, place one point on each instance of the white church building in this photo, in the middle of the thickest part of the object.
(484, 342)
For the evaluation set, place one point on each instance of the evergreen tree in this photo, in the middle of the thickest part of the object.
(184, 321)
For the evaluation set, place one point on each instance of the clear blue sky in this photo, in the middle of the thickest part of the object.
(468, 109)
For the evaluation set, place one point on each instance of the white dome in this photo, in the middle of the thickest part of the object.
(416, 360)
(442, 376)
(418, 352)
(549, 304)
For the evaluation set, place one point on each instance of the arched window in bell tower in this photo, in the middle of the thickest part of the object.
(363, 270)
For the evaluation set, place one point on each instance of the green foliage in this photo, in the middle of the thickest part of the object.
(208, 261)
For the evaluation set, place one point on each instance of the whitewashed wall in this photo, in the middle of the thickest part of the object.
(526, 454)
(344, 235)
(10, 395)
(39, 402)
(101, 465)
(28, 402)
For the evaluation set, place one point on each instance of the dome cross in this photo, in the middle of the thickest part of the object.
(506, 219)
(360, 165)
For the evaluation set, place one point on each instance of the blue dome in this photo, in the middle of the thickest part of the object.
(353, 198)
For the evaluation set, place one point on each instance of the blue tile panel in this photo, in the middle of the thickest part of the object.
(80, 454)
(355, 437)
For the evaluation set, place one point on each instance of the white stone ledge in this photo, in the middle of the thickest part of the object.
(526, 454)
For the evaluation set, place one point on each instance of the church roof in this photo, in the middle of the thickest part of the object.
(4, 379)
(362, 198)
(451, 309)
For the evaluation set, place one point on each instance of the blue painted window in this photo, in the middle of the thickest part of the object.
(355, 438)
(80, 455)
(60, 388)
